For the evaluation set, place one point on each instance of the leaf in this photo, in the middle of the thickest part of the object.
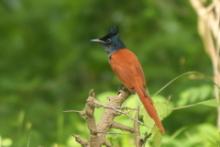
(210, 103)
(163, 106)
(195, 94)
(156, 140)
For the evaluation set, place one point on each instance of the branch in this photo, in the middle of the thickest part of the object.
(138, 140)
(112, 108)
(108, 116)
(122, 127)
(99, 131)
(89, 112)
(119, 110)
(81, 141)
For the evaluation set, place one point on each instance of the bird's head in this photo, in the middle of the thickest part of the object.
(111, 41)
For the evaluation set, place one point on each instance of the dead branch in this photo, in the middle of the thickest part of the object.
(122, 127)
(89, 112)
(112, 109)
(81, 141)
(108, 116)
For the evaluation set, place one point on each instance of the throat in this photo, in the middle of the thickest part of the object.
(110, 51)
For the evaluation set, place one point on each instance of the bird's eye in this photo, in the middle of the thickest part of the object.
(108, 40)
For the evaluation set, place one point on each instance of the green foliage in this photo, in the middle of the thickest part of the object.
(201, 135)
(195, 94)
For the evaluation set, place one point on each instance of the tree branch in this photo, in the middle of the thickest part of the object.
(81, 141)
(122, 127)
(89, 112)
(138, 140)
(112, 108)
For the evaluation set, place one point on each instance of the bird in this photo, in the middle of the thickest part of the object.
(128, 69)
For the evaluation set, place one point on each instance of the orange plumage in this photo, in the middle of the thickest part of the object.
(126, 66)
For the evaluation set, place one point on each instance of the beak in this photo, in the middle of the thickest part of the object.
(97, 40)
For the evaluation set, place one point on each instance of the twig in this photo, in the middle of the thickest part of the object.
(128, 109)
(146, 137)
(137, 135)
(174, 79)
(81, 141)
(122, 127)
(117, 110)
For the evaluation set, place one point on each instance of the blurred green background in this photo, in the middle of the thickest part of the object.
(48, 65)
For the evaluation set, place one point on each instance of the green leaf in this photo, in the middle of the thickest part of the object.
(195, 94)
(210, 103)
(156, 140)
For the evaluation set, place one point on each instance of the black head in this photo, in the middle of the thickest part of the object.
(111, 41)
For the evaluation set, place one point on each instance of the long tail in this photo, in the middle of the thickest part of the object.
(149, 106)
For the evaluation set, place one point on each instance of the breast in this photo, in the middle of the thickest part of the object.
(128, 69)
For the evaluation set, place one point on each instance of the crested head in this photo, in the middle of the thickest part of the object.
(113, 31)
(111, 41)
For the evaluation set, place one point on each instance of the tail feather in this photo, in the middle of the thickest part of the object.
(149, 106)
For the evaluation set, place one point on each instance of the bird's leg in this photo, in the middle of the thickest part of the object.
(122, 87)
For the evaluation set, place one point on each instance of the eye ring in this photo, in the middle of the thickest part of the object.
(108, 40)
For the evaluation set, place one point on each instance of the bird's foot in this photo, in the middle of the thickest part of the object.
(123, 88)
